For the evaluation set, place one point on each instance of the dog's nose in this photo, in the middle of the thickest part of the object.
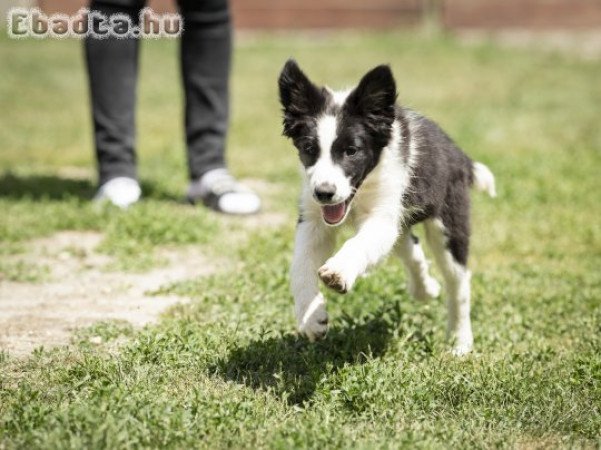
(325, 192)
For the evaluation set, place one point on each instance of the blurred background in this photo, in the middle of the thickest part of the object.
(454, 60)
(452, 14)
(514, 82)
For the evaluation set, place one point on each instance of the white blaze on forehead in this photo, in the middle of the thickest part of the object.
(326, 133)
(339, 96)
(325, 171)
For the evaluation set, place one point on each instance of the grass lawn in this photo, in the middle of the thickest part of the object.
(227, 369)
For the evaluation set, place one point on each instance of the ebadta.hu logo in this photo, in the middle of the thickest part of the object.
(32, 22)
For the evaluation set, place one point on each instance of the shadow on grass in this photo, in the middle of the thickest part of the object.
(44, 187)
(292, 368)
(54, 187)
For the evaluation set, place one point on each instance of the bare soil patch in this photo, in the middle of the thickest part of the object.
(81, 291)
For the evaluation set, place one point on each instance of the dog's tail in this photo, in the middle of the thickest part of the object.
(484, 180)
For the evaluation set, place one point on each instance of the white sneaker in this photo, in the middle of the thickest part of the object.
(121, 191)
(219, 190)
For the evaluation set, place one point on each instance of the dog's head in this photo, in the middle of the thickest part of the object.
(339, 136)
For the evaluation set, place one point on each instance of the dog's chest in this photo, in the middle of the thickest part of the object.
(382, 190)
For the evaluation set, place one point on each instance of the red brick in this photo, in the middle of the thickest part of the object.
(531, 14)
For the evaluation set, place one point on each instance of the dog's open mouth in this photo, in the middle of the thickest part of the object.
(334, 214)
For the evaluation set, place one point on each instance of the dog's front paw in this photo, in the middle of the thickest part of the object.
(313, 320)
(333, 280)
(336, 276)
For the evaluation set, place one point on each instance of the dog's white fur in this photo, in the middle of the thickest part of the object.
(377, 213)
(420, 284)
(324, 170)
(484, 180)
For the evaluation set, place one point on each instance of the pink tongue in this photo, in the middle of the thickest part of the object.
(333, 213)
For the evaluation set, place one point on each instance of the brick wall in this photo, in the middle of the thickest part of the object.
(454, 14)
(326, 13)
(287, 14)
(525, 14)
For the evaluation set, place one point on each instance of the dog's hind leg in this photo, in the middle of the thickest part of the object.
(313, 244)
(420, 283)
(450, 246)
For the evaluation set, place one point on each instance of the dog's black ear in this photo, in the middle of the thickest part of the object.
(375, 95)
(298, 95)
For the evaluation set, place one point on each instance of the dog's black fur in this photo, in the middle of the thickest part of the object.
(440, 184)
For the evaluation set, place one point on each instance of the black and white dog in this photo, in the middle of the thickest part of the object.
(386, 168)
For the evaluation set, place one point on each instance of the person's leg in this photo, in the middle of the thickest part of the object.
(112, 68)
(206, 47)
(205, 63)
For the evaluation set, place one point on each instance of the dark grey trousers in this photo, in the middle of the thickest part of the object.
(205, 64)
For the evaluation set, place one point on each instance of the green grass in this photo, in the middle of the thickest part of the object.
(227, 370)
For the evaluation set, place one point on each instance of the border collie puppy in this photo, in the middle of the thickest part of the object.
(385, 169)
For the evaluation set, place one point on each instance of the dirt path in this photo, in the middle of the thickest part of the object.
(82, 292)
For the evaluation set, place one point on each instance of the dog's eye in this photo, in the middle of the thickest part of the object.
(350, 151)
(308, 147)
